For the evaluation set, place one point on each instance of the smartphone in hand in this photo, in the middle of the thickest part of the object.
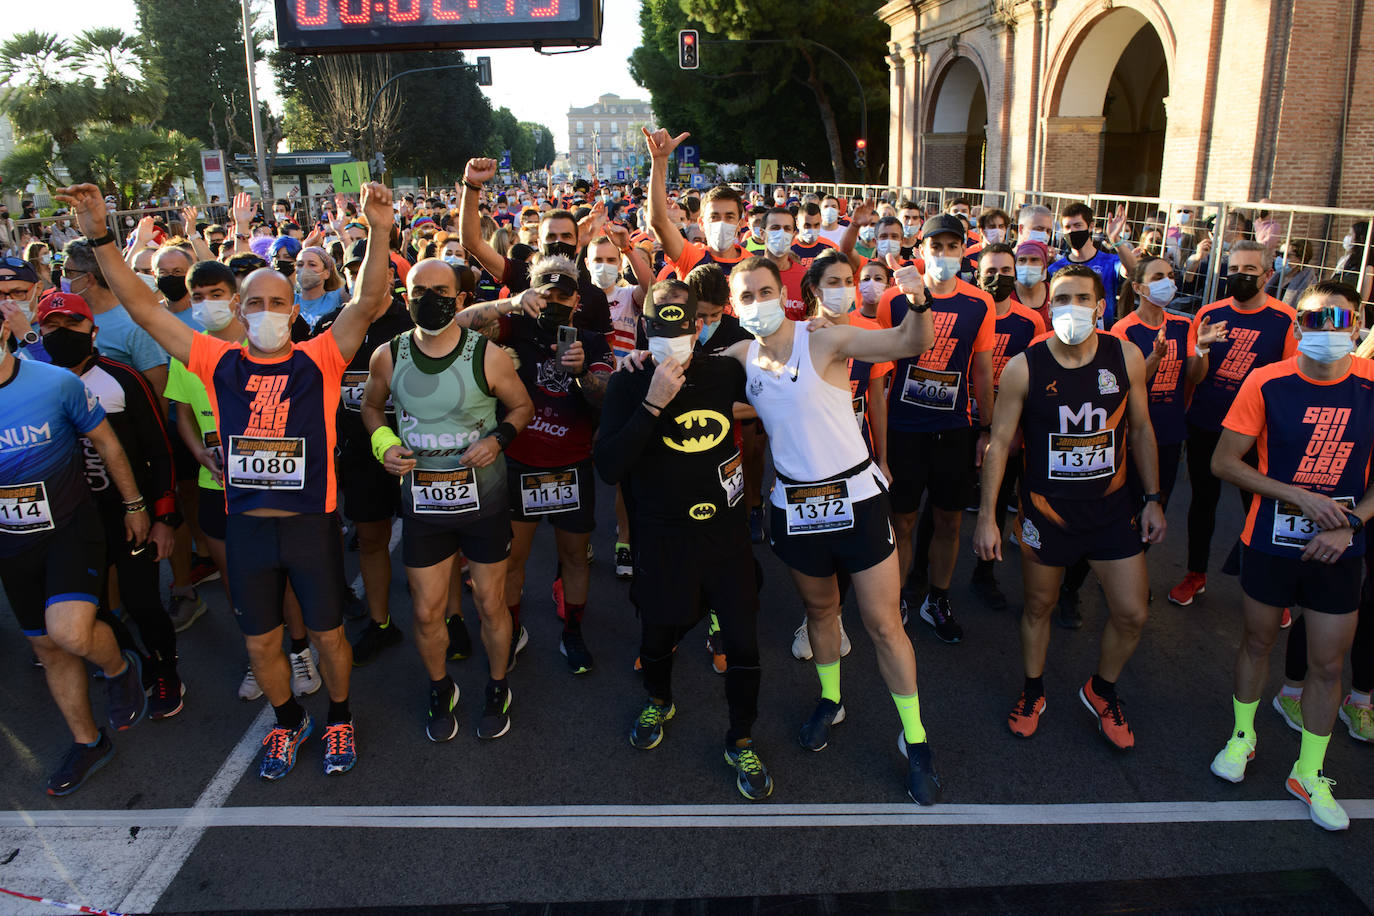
(566, 338)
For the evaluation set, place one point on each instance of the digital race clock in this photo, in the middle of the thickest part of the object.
(318, 26)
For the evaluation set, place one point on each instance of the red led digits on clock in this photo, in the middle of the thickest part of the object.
(438, 12)
(411, 13)
(319, 17)
(361, 17)
(550, 8)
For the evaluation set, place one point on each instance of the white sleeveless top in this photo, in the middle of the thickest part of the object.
(810, 422)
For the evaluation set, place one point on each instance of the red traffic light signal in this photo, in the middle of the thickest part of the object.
(688, 46)
(861, 143)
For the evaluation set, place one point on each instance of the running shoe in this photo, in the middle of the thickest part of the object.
(1230, 761)
(1024, 717)
(801, 642)
(1291, 710)
(906, 611)
(922, 785)
(1358, 719)
(248, 687)
(305, 677)
(355, 608)
(373, 640)
(1325, 811)
(442, 724)
(495, 720)
(648, 728)
(1111, 718)
(940, 616)
(986, 588)
(752, 780)
(1286, 620)
(815, 734)
(756, 525)
(715, 643)
(559, 607)
(282, 744)
(459, 640)
(168, 690)
(591, 554)
(518, 641)
(1067, 613)
(186, 610)
(78, 764)
(203, 569)
(128, 703)
(624, 564)
(340, 748)
(574, 649)
(1193, 584)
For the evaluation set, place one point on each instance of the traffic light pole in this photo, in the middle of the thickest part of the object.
(371, 106)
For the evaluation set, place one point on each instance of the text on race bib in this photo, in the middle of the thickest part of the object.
(732, 478)
(351, 392)
(1293, 529)
(931, 388)
(266, 464)
(1082, 456)
(818, 507)
(445, 492)
(546, 492)
(24, 508)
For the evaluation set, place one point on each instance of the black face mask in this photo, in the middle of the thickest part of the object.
(67, 347)
(555, 315)
(286, 268)
(433, 312)
(174, 288)
(1079, 237)
(215, 247)
(1243, 287)
(999, 287)
(566, 249)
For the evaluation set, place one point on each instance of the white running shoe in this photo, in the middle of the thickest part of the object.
(305, 677)
(1229, 763)
(248, 687)
(1326, 812)
(801, 642)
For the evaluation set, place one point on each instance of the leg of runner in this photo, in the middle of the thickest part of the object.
(1040, 584)
(429, 588)
(488, 592)
(624, 564)
(572, 557)
(522, 537)
(374, 557)
(821, 600)
(657, 645)
(1126, 584)
(1202, 509)
(1329, 637)
(305, 674)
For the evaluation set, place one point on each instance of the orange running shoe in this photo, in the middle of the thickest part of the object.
(1193, 584)
(1024, 717)
(1111, 719)
(1286, 620)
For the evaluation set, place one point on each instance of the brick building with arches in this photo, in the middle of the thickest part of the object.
(1190, 99)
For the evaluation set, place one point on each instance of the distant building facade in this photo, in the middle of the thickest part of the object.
(604, 139)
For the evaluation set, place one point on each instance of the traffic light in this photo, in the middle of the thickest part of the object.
(688, 48)
(378, 165)
(861, 154)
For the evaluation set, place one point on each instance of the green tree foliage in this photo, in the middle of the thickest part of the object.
(544, 150)
(196, 48)
(789, 101)
(89, 106)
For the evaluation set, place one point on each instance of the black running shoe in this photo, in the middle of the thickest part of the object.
(517, 645)
(756, 525)
(940, 616)
(128, 703)
(986, 588)
(165, 700)
(495, 720)
(78, 764)
(624, 564)
(922, 785)
(815, 734)
(574, 649)
(459, 641)
(752, 780)
(442, 724)
(1066, 613)
(373, 640)
(648, 728)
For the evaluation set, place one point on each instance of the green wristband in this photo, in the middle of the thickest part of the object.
(383, 438)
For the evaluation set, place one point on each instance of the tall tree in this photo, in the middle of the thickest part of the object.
(786, 100)
(544, 150)
(196, 48)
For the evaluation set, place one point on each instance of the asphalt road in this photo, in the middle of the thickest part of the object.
(398, 830)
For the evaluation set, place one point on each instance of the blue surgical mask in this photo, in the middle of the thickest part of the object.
(1162, 290)
(706, 331)
(1325, 346)
(1279, 264)
(760, 318)
(1029, 274)
(941, 269)
(1036, 235)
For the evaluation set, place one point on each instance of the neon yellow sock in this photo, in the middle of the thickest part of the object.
(1312, 754)
(909, 709)
(830, 680)
(1245, 718)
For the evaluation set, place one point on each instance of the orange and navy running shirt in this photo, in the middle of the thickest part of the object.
(865, 385)
(931, 393)
(1317, 435)
(694, 253)
(1253, 339)
(276, 421)
(808, 253)
(1012, 334)
(1168, 410)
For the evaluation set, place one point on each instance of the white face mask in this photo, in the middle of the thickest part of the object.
(454, 260)
(1035, 235)
(993, 236)
(837, 300)
(779, 241)
(1183, 218)
(45, 258)
(1073, 324)
(1325, 346)
(213, 314)
(149, 281)
(830, 215)
(808, 236)
(604, 275)
(884, 247)
(1029, 274)
(24, 305)
(871, 291)
(910, 229)
(678, 348)
(760, 318)
(941, 270)
(1162, 291)
(1348, 242)
(720, 235)
(268, 331)
(866, 234)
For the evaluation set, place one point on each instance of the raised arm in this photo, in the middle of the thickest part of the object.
(911, 338)
(861, 217)
(644, 272)
(86, 201)
(372, 295)
(661, 146)
(476, 173)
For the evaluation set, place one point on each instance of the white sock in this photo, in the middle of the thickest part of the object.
(1360, 699)
(1287, 691)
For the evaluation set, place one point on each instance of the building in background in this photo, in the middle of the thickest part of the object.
(1186, 99)
(604, 139)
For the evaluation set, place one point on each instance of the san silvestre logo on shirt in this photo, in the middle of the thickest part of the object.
(1326, 455)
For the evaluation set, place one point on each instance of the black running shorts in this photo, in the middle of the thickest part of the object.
(565, 496)
(854, 549)
(65, 564)
(483, 540)
(264, 553)
(1062, 532)
(1291, 582)
(941, 463)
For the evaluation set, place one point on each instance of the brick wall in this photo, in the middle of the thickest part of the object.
(1073, 154)
(944, 160)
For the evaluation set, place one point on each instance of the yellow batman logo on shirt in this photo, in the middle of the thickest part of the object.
(701, 430)
(671, 313)
(702, 511)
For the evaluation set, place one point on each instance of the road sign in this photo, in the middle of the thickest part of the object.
(766, 171)
(505, 159)
(619, 174)
(689, 155)
(349, 177)
(698, 180)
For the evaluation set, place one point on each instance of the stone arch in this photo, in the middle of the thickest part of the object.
(956, 115)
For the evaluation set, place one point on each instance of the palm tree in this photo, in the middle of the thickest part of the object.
(119, 61)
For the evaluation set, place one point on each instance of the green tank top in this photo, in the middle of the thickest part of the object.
(443, 406)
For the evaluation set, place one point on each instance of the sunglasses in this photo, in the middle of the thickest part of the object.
(10, 261)
(1342, 318)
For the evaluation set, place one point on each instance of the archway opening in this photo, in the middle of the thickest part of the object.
(1133, 118)
(956, 139)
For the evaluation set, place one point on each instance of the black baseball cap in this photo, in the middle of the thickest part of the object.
(356, 252)
(943, 223)
(554, 279)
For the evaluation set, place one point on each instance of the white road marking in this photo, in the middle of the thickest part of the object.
(194, 821)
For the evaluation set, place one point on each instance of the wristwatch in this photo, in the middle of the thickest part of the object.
(107, 239)
(924, 305)
(29, 338)
(1356, 523)
(1154, 498)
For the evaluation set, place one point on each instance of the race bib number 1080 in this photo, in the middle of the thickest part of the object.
(266, 464)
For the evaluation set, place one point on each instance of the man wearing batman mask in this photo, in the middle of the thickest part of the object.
(549, 465)
(667, 437)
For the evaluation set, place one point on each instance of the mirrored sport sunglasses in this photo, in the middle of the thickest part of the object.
(11, 261)
(1342, 318)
